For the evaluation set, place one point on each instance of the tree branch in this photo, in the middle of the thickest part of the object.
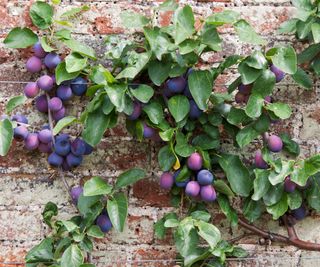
(292, 238)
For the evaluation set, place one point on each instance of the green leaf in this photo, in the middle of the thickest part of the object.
(302, 4)
(309, 53)
(183, 22)
(206, 142)
(158, 71)
(95, 232)
(278, 209)
(304, 169)
(237, 116)
(74, 11)
(20, 38)
(96, 186)
(257, 60)
(179, 107)
(167, 134)
(304, 27)
(200, 84)
(289, 26)
(171, 223)
(237, 174)
(289, 145)
(183, 148)
(261, 184)
(132, 19)
(63, 34)
(95, 126)
(254, 106)
(246, 135)
(222, 187)
(129, 177)
(315, 66)
(41, 253)
(75, 62)
(160, 44)
(208, 232)
(247, 34)
(248, 74)
(210, 37)
(302, 78)
(313, 193)
(315, 28)
(86, 204)
(294, 200)
(166, 158)
(15, 102)
(265, 83)
(227, 210)
(49, 211)
(273, 195)
(72, 257)
(224, 17)
(276, 178)
(117, 95)
(62, 74)
(285, 59)
(281, 110)
(69, 225)
(80, 48)
(184, 174)
(41, 15)
(252, 210)
(6, 136)
(143, 93)
(201, 215)
(168, 5)
(118, 210)
(154, 112)
(100, 75)
(44, 43)
(64, 122)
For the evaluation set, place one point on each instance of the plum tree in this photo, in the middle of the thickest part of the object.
(52, 60)
(195, 112)
(275, 143)
(205, 177)
(289, 186)
(20, 132)
(55, 104)
(277, 72)
(38, 50)
(208, 193)
(166, 180)
(32, 141)
(76, 191)
(176, 85)
(259, 161)
(45, 136)
(64, 92)
(62, 146)
(34, 64)
(137, 109)
(192, 189)
(42, 103)
(55, 160)
(194, 161)
(103, 221)
(31, 90)
(45, 83)
(79, 86)
(78, 147)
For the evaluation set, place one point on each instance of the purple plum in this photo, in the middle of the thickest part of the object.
(58, 115)
(31, 90)
(32, 141)
(38, 50)
(103, 221)
(45, 83)
(34, 64)
(208, 193)
(19, 118)
(45, 136)
(192, 189)
(195, 112)
(148, 132)
(137, 109)
(62, 147)
(289, 186)
(195, 162)
(42, 103)
(55, 104)
(21, 132)
(64, 92)
(176, 85)
(259, 161)
(52, 60)
(79, 86)
(205, 177)
(245, 88)
(45, 147)
(275, 143)
(278, 73)
(299, 213)
(73, 160)
(76, 191)
(166, 180)
(78, 147)
(55, 160)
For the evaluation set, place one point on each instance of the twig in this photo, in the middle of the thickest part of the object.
(292, 238)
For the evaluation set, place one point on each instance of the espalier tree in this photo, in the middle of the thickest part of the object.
(158, 83)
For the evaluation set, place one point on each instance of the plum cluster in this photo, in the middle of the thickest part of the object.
(103, 220)
(53, 97)
(63, 152)
(172, 87)
(197, 184)
(275, 144)
(244, 90)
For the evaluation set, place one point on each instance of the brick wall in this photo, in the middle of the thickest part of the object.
(27, 182)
